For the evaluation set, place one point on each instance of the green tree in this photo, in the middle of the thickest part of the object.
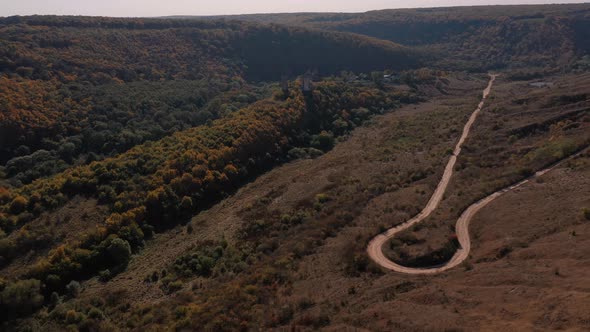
(20, 298)
(119, 251)
(324, 141)
(18, 204)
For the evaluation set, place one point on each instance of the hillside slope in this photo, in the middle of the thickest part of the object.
(287, 250)
(474, 38)
(82, 88)
(125, 199)
(98, 49)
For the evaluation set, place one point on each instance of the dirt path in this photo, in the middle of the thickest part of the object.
(375, 246)
(375, 250)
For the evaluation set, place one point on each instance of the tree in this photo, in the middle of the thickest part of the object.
(18, 204)
(119, 251)
(67, 150)
(20, 298)
(186, 206)
(324, 141)
(74, 288)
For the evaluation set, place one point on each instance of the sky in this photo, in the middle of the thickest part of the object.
(146, 8)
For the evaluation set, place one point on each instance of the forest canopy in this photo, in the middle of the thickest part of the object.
(78, 89)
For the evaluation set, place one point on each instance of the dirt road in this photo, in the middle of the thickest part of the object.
(375, 246)
(375, 250)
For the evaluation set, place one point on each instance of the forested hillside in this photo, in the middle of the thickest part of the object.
(473, 38)
(77, 89)
(157, 185)
(106, 50)
(227, 173)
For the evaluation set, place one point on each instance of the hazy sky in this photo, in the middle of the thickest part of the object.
(214, 7)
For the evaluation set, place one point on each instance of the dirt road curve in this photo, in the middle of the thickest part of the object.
(375, 246)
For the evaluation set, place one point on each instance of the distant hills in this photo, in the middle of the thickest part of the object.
(42, 56)
(142, 187)
(473, 38)
(98, 49)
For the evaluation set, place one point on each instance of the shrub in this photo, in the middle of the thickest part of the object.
(73, 288)
(360, 262)
(586, 213)
(95, 313)
(4, 195)
(20, 298)
(54, 299)
(119, 251)
(324, 141)
(408, 238)
(304, 153)
(200, 262)
(74, 317)
(186, 205)
(174, 286)
(104, 275)
(322, 198)
(526, 172)
(18, 204)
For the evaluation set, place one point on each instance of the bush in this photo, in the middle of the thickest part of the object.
(73, 288)
(119, 251)
(408, 238)
(95, 313)
(20, 298)
(18, 205)
(435, 257)
(186, 205)
(322, 198)
(104, 275)
(324, 141)
(4, 195)
(54, 299)
(360, 262)
(73, 317)
(586, 213)
(304, 153)
(526, 172)
(174, 286)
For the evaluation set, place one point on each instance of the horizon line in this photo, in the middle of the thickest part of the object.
(306, 12)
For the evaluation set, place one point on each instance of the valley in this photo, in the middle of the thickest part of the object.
(302, 172)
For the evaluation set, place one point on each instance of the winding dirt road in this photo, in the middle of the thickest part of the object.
(375, 250)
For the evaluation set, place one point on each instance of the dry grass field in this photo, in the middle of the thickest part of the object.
(522, 130)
